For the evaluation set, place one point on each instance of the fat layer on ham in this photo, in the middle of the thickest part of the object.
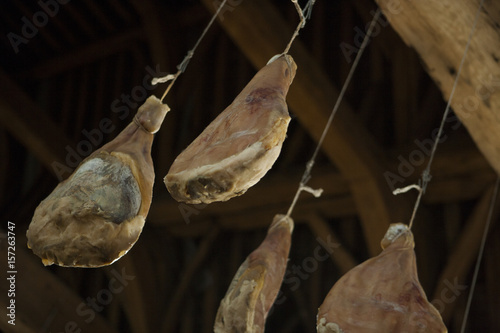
(383, 294)
(237, 149)
(257, 282)
(96, 215)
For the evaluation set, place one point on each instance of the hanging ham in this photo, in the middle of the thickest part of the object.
(237, 149)
(96, 215)
(257, 282)
(382, 294)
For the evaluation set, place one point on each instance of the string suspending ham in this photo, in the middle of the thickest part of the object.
(95, 216)
(426, 174)
(241, 145)
(258, 280)
(238, 148)
(183, 65)
(383, 293)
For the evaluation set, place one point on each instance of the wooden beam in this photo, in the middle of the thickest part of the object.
(458, 175)
(260, 31)
(272, 192)
(24, 120)
(405, 92)
(84, 55)
(132, 297)
(151, 22)
(492, 271)
(210, 298)
(43, 302)
(452, 281)
(173, 311)
(250, 219)
(458, 188)
(340, 256)
(386, 40)
(430, 28)
(459, 172)
(4, 151)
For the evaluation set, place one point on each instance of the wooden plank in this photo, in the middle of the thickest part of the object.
(458, 188)
(340, 256)
(430, 27)
(277, 190)
(24, 120)
(452, 221)
(459, 175)
(99, 16)
(404, 93)
(175, 304)
(452, 281)
(52, 41)
(83, 101)
(210, 298)
(311, 97)
(315, 287)
(492, 271)
(80, 21)
(151, 278)
(153, 31)
(84, 55)
(4, 152)
(120, 10)
(43, 302)
(459, 172)
(260, 219)
(132, 297)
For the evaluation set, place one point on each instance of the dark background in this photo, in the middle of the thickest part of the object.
(75, 70)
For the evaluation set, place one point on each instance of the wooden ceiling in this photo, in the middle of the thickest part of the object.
(90, 61)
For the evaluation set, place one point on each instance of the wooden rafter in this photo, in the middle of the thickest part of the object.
(276, 192)
(153, 30)
(452, 282)
(173, 311)
(24, 120)
(43, 302)
(132, 296)
(430, 28)
(457, 174)
(311, 97)
(455, 181)
(340, 256)
(83, 55)
(491, 272)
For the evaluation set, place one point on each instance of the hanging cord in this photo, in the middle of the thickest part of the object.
(426, 174)
(304, 16)
(480, 254)
(182, 66)
(307, 173)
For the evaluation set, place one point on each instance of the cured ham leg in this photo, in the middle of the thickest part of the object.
(95, 216)
(256, 284)
(237, 149)
(382, 294)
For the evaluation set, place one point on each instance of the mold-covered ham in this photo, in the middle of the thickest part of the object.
(95, 216)
(237, 149)
(382, 294)
(257, 282)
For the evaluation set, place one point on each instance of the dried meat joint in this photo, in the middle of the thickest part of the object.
(237, 149)
(382, 294)
(257, 282)
(96, 215)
